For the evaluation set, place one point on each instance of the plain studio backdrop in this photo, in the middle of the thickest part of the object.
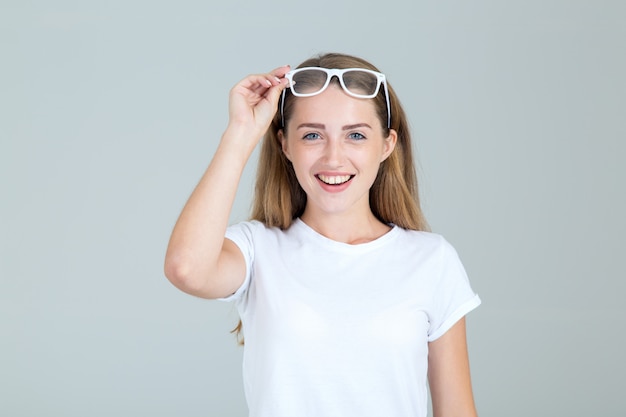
(111, 110)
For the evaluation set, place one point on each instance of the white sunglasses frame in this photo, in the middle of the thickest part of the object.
(330, 73)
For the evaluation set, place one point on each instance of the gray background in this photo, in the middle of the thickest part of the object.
(111, 110)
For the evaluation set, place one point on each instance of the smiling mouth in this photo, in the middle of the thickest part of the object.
(334, 179)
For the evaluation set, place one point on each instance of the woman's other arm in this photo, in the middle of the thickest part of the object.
(449, 374)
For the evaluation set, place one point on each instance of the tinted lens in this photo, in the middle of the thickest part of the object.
(360, 82)
(308, 81)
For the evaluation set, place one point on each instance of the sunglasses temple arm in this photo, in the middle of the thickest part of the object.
(388, 107)
(282, 108)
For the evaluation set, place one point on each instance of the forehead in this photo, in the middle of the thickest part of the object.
(334, 105)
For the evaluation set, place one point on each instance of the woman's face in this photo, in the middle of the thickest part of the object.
(336, 144)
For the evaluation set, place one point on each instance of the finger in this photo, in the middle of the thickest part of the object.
(273, 94)
(272, 80)
(277, 75)
(255, 81)
(280, 71)
(260, 82)
(257, 84)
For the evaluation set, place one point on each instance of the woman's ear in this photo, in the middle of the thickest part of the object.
(283, 143)
(389, 144)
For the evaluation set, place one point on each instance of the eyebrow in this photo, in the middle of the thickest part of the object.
(323, 126)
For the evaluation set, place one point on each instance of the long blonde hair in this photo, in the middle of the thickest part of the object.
(394, 197)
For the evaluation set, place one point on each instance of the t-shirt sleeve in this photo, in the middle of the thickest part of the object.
(453, 297)
(241, 234)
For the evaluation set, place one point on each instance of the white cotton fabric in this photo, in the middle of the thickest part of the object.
(333, 329)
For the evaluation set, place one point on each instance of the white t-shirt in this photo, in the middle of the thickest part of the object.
(333, 329)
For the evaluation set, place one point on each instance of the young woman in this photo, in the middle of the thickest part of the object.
(348, 305)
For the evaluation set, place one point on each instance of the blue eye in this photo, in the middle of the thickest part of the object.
(311, 136)
(356, 135)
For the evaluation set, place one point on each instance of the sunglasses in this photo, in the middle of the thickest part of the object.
(356, 82)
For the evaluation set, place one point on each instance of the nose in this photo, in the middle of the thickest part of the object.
(334, 152)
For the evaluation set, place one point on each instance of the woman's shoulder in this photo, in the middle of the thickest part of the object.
(421, 236)
(254, 228)
(424, 240)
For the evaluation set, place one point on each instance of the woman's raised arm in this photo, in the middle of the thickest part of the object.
(199, 260)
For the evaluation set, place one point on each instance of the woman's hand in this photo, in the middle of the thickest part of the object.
(253, 101)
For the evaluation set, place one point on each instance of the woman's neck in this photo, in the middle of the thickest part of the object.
(350, 229)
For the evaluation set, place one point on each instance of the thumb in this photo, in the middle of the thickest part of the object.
(274, 93)
(272, 98)
(266, 110)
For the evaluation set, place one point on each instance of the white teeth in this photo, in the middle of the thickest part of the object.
(334, 180)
